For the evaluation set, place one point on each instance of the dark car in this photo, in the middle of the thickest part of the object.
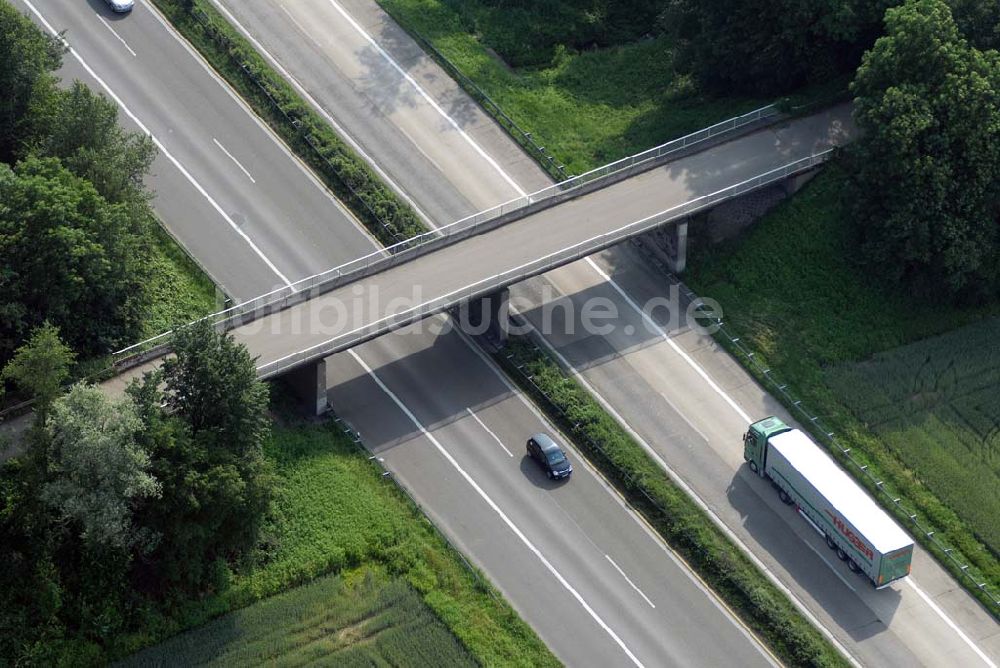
(549, 456)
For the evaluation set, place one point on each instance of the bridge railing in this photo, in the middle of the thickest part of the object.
(286, 295)
(534, 267)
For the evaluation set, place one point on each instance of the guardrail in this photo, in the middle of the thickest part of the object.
(321, 282)
(827, 435)
(534, 267)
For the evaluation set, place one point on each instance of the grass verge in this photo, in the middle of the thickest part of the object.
(676, 517)
(182, 292)
(384, 214)
(361, 618)
(336, 514)
(923, 417)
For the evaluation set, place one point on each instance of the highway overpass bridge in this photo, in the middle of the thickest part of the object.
(474, 260)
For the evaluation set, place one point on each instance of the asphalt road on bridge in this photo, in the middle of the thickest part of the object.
(577, 564)
(682, 395)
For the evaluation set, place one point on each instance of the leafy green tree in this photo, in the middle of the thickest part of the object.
(83, 132)
(926, 169)
(69, 258)
(27, 59)
(768, 47)
(208, 454)
(97, 469)
(40, 367)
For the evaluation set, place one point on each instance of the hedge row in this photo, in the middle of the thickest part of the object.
(380, 209)
(684, 526)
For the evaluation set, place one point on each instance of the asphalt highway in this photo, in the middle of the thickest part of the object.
(685, 398)
(577, 564)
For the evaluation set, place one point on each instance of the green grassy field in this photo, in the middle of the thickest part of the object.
(909, 386)
(587, 108)
(335, 514)
(362, 619)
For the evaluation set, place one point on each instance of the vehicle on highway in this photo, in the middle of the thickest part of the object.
(549, 456)
(834, 504)
(121, 6)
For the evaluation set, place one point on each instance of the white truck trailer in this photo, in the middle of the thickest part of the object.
(855, 526)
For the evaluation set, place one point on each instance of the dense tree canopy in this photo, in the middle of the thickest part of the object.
(926, 193)
(27, 58)
(40, 367)
(69, 258)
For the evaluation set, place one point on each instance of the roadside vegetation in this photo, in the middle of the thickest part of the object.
(130, 519)
(383, 213)
(81, 247)
(674, 515)
(909, 385)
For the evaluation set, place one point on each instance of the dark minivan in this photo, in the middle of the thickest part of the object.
(549, 456)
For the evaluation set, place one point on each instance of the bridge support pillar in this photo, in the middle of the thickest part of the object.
(669, 244)
(489, 316)
(309, 383)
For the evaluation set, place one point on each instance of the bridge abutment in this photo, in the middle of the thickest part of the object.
(308, 382)
(669, 242)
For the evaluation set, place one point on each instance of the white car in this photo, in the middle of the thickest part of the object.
(120, 6)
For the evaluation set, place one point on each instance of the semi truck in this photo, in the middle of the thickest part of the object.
(861, 533)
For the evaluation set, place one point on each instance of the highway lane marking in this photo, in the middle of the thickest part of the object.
(947, 620)
(108, 26)
(329, 119)
(233, 158)
(489, 431)
(430, 100)
(492, 504)
(722, 526)
(687, 358)
(300, 27)
(629, 581)
(701, 372)
(684, 417)
(831, 567)
(159, 145)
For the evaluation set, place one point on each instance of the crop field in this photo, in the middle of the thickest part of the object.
(367, 619)
(936, 404)
(911, 387)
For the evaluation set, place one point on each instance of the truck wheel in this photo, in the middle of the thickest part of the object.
(753, 467)
(830, 544)
(783, 495)
(841, 554)
(853, 566)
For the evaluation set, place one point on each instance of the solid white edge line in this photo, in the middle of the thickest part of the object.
(135, 119)
(115, 33)
(687, 358)
(629, 581)
(489, 501)
(233, 158)
(340, 130)
(488, 431)
(831, 567)
(934, 606)
(677, 480)
(430, 100)
(701, 372)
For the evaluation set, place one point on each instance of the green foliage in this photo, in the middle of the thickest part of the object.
(935, 404)
(70, 258)
(587, 107)
(83, 132)
(40, 367)
(364, 619)
(96, 470)
(178, 290)
(671, 512)
(305, 131)
(926, 186)
(27, 58)
(774, 46)
(792, 290)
